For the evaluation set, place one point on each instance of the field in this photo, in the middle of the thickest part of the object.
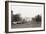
(27, 25)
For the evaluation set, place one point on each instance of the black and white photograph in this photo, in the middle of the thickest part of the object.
(25, 16)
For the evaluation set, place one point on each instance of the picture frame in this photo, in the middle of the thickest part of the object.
(8, 18)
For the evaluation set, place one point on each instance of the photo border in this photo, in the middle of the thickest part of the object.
(7, 13)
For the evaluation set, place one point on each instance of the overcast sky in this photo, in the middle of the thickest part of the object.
(27, 10)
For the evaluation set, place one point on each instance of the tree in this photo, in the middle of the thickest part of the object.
(38, 18)
(16, 17)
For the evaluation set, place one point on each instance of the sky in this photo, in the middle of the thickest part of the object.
(27, 10)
